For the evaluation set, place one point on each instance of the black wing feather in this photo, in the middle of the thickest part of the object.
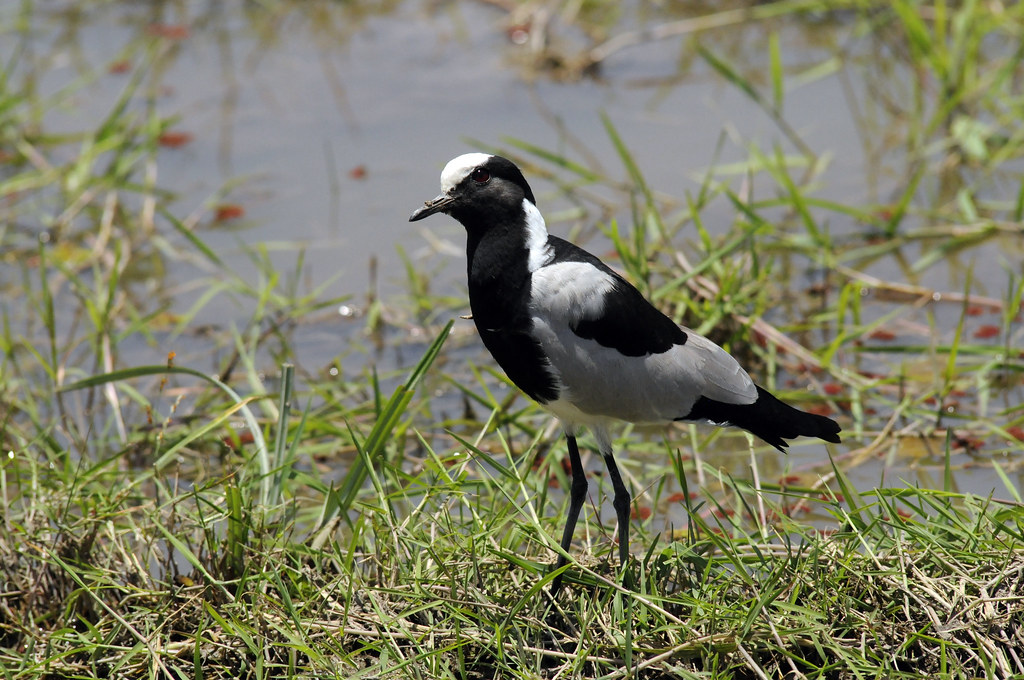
(628, 322)
(768, 418)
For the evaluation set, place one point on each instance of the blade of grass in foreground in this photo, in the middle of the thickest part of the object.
(241, 405)
(370, 448)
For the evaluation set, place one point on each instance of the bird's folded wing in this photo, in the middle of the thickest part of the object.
(724, 378)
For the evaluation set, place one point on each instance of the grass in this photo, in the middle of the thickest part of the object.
(160, 522)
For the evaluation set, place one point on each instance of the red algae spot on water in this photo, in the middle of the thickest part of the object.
(228, 211)
(640, 512)
(169, 31)
(174, 140)
(986, 331)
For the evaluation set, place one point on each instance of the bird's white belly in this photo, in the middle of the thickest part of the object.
(598, 381)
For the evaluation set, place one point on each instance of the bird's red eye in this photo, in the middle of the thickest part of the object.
(480, 176)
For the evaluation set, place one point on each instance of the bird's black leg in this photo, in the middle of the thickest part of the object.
(621, 502)
(577, 494)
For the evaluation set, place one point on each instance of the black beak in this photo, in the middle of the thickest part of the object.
(434, 205)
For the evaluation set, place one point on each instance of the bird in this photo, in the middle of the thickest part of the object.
(584, 343)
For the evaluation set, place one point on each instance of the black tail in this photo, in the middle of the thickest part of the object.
(767, 418)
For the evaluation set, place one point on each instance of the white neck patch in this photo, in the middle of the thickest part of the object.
(458, 168)
(540, 253)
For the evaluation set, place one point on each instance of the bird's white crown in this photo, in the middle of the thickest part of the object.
(458, 168)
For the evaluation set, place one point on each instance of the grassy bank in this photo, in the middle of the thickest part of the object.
(285, 520)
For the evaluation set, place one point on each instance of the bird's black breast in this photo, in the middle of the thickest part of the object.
(499, 296)
(521, 358)
(626, 322)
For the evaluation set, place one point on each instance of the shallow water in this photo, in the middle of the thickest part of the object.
(331, 121)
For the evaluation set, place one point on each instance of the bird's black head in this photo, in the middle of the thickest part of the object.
(478, 190)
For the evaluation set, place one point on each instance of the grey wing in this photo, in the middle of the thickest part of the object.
(603, 381)
(724, 379)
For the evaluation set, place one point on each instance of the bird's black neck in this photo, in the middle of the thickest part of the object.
(499, 295)
(499, 277)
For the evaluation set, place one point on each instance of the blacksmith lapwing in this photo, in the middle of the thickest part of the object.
(585, 344)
